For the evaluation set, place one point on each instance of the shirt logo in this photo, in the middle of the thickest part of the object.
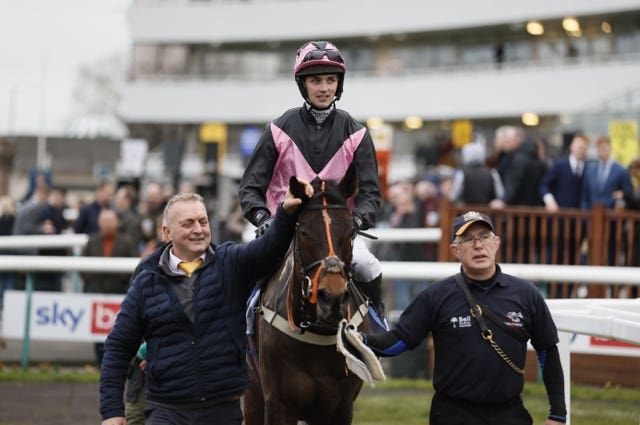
(460, 322)
(515, 319)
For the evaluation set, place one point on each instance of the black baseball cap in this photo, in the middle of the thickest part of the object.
(462, 222)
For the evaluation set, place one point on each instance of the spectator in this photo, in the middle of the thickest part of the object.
(404, 215)
(108, 242)
(632, 202)
(124, 202)
(7, 219)
(29, 213)
(602, 180)
(151, 207)
(604, 177)
(428, 203)
(521, 171)
(475, 183)
(87, 221)
(520, 167)
(52, 222)
(188, 302)
(561, 186)
(38, 180)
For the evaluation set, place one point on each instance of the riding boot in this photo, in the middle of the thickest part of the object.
(373, 291)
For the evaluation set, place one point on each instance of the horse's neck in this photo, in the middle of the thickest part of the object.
(274, 294)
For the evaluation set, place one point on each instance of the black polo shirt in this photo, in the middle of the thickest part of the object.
(466, 366)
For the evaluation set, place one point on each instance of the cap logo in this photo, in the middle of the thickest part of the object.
(472, 215)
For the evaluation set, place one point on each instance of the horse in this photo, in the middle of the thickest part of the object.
(300, 375)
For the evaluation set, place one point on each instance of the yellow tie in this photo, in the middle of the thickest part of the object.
(189, 266)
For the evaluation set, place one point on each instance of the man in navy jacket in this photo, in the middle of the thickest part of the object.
(192, 318)
(561, 186)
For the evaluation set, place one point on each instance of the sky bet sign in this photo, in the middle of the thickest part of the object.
(60, 316)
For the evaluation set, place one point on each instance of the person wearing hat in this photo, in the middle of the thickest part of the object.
(473, 383)
(317, 140)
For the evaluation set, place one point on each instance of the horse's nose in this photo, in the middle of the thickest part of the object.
(331, 301)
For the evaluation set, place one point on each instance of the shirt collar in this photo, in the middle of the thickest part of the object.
(174, 261)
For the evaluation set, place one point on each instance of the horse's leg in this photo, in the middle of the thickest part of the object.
(277, 413)
(253, 402)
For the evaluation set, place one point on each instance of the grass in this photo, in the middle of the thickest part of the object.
(406, 401)
(45, 372)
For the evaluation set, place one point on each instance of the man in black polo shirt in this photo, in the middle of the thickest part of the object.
(473, 383)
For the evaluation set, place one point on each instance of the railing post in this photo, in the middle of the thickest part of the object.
(26, 340)
(597, 246)
(75, 275)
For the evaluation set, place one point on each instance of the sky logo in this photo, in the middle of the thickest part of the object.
(59, 315)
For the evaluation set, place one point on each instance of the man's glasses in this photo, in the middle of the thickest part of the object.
(470, 241)
(332, 55)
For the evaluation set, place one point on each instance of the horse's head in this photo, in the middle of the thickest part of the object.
(323, 247)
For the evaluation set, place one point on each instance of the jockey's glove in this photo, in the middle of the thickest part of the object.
(262, 219)
(263, 227)
(357, 221)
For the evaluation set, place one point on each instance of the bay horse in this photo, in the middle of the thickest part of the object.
(300, 374)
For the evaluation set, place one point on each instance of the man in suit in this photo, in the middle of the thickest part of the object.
(561, 187)
(107, 243)
(604, 177)
(601, 180)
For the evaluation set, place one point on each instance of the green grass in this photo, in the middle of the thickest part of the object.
(48, 373)
(406, 402)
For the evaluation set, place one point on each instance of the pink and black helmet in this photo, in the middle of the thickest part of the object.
(317, 58)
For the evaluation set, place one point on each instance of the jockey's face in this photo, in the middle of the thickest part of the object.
(321, 89)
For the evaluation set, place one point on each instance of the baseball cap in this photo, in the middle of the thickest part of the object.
(462, 222)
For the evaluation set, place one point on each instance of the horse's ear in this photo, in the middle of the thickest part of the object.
(296, 188)
(349, 183)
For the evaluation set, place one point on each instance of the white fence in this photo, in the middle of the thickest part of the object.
(616, 319)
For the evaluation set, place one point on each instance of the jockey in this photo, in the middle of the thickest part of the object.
(317, 140)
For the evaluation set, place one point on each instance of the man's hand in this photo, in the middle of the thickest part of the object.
(290, 203)
(119, 420)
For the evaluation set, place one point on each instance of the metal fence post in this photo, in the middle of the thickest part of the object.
(26, 341)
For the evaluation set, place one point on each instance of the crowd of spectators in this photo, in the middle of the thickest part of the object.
(120, 220)
(511, 170)
(514, 170)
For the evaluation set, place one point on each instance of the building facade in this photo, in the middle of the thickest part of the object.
(420, 68)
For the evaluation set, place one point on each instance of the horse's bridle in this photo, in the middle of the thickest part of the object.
(329, 264)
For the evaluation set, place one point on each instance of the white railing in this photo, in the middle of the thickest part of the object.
(74, 242)
(617, 319)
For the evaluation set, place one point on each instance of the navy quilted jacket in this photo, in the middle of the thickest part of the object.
(190, 363)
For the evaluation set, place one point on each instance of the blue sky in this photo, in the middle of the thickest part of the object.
(42, 44)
